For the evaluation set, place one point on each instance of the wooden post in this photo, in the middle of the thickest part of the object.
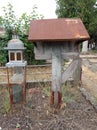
(56, 77)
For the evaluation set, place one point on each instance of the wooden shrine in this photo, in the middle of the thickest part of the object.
(58, 39)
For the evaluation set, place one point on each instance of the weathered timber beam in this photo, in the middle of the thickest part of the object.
(70, 55)
(71, 69)
(56, 77)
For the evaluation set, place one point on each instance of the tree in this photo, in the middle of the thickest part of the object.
(3, 42)
(3, 54)
(19, 26)
(84, 9)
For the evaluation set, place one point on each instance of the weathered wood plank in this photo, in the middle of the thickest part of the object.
(44, 50)
(78, 72)
(70, 55)
(71, 69)
(56, 76)
(56, 68)
(88, 56)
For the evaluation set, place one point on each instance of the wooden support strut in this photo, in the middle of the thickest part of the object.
(56, 95)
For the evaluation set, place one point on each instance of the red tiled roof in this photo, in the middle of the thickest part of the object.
(62, 29)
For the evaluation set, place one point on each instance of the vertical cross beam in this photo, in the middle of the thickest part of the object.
(56, 77)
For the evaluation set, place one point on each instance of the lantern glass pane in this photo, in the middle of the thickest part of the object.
(18, 56)
(12, 56)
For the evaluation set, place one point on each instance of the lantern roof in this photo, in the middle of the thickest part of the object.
(15, 44)
(62, 29)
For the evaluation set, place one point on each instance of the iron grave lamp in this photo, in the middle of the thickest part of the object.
(16, 70)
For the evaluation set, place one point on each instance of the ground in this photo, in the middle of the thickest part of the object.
(76, 112)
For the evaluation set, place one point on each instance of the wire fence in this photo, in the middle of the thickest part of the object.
(34, 73)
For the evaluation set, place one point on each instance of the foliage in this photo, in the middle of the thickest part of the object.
(84, 9)
(3, 54)
(0, 20)
(68, 93)
(16, 25)
(19, 26)
(5, 104)
(46, 88)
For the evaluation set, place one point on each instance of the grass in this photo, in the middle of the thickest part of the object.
(4, 103)
(68, 93)
(46, 88)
